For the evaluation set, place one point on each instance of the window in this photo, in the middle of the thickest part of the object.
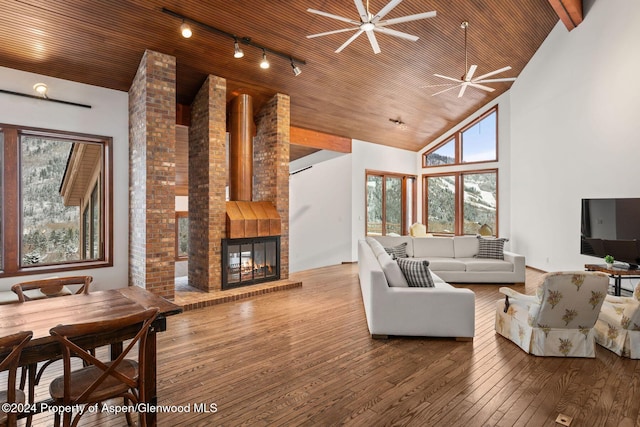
(461, 202)
(56, 201)
(475, 143)
(390, 203)
(182, 235)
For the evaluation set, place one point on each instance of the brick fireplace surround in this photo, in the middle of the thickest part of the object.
(152, 112)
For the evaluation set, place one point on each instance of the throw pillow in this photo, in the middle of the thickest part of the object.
(416, 271)
(399, 251)
(491, 248)
(392, 272)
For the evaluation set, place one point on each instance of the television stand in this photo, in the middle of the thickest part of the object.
(617, 273)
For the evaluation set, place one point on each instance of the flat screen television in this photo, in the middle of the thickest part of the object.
(611, 227)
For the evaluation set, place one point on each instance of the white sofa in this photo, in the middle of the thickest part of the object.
(439, 311)
(453, 259)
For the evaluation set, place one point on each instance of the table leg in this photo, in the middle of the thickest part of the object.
(150, 392)
(617, 288)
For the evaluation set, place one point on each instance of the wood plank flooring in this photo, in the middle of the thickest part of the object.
(304, 357)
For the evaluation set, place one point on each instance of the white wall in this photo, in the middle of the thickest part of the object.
(320, 213)
(575, 131)
(368, 156)
(107, 117)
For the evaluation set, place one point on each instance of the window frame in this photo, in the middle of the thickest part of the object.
(404, 223)
(12, 203)
(458, 199)
(457, 138)
(178, 257)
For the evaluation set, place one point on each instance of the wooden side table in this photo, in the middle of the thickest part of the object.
(617, 273)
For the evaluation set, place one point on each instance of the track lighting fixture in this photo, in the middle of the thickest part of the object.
(185, 30)
(296, 70)
(41, 89)
(187, 23)
(237, 52)
(264, 64)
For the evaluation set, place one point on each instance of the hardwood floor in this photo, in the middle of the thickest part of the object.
(304, 356)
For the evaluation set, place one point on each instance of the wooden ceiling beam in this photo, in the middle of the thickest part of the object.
(569, 12)
(319, 140)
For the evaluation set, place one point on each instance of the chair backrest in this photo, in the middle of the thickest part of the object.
(70, 337)
(12, 346)
(570, 299)
(51, 287)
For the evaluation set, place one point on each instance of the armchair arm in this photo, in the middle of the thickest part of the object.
(618, 300)
(508, 292)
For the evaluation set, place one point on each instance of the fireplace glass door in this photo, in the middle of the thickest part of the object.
(249, 261)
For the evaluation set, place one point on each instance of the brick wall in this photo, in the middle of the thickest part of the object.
(207, 180)
(271, 166)
(152, 116)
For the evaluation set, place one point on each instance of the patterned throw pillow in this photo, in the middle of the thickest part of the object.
(491, 248)
(399, 251)
(416, 272)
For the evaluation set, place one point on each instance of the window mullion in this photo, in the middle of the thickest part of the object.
(11, 205)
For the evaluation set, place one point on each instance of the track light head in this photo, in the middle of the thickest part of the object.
(296, 70)
(185, 30)
(264, 64)
(237, 52)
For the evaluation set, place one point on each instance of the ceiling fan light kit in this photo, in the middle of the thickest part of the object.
(467, 79)
(371, 24)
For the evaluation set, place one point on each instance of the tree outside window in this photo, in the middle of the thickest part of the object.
(391, 207)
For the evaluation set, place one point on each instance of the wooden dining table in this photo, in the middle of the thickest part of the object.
(39, 316)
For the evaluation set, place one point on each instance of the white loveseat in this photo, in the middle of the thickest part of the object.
(454, 259)
(439, 311)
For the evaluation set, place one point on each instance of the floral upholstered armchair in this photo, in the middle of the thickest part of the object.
(559, 319)
(618, 325)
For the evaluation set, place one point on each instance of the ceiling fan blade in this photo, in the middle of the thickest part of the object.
(332, 16)
(388, 8)
(506, 79)
(462, 89)
(445, 90)
(331, 32)
(470, 73)
(395, 33)
(373, 41)
(443, 84)
(364, 15)
(406, 18)
(352, 38)
(492, 73)
(449, 78)
(486, 88)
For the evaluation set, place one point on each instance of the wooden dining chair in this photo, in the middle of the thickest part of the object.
(51, 287)
(41, 289)
(99, 381)
(12, 346)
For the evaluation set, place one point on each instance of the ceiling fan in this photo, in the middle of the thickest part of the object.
(467, 79)
(370, 24)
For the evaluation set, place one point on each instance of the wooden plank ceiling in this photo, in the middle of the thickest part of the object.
(353, 94)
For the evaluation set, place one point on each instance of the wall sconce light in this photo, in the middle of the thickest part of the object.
(41, 89)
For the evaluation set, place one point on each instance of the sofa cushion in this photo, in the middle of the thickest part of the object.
(487, 264)
(491, 248)
(376, 247)
(465, 246)
(416, 272)
(398, 251)
(391, 269)
(446, 264)
(427, 247)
